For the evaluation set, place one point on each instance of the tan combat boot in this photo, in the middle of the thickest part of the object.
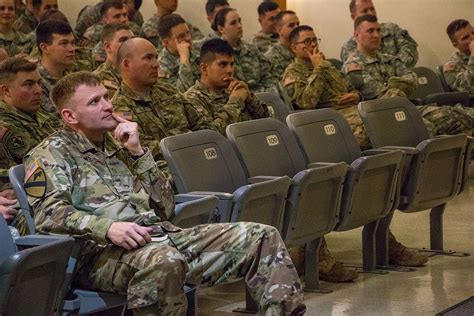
(400, 255)
(297, 256)
(331, 270)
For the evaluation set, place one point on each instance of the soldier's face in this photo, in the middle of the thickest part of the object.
(368, 36)
(7, 11)
(463, 39)
(289, 23)
(217, 8)
(61, 50)
(179, 33)
(47, 5)
(112, 46)
(143, 65)
(363, 7)
(24, 92)
(168, 6)
(307, 42)
(232, 29)
(114, 15)
(267, 21)
(219, 72)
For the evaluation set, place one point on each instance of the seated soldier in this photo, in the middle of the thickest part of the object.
(106, 188)
(113, 36)
(280, 54)
(310, 80)
(218, 95)
(150, 27)
(212, 7)
(268, 36)
(179, 58)
(13, 41)
(55, 42)
(111, 12)
(251, 66)
(28, 20)
(395, 40)
(378, 75)
(158, 108)
(459, 70)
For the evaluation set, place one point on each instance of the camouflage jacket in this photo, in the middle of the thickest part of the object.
(109, 76)
(77, 188)
(379, 75)
(252, 67)
(26, 22)
(82, 55)
(176, 74)
(308, 86)
(19, 133)
(48, 109)
(17, 43)
(395, 41)
(459, 72)
(263, 41)
(150, 31)
(93, 34)
(280, 57)
(211, 35)
(223, 110)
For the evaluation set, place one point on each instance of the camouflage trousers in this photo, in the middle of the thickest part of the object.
(353, 118)
(448, 120)
(153, 276)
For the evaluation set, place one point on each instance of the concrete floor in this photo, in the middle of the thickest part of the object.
(443, 282)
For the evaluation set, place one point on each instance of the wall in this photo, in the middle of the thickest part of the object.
(426, 20)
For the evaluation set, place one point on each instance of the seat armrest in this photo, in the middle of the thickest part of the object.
(258, 179)
(29, 241)
(219, 195)
(447, 98)
(194, 206)
(313, 165)
(416, 101)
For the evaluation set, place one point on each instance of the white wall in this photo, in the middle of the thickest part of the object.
(426, 20)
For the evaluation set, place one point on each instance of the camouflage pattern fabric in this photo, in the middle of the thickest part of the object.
(98, 53)
(48, 109)
(82, 55)
(26, 22)
(150, 31)
(87, 189)
(109, 76)
(459, 72)
(176, 74)
(263, 41)
(309, 87)
(93, 34)
(16, 43)
(211, 35)
(280, 57)
(395, 41)
(252, 67)
(222, 110)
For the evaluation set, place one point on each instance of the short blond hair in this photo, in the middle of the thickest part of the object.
(67, 86)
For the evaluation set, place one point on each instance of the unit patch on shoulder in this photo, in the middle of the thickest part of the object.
(35, 181)
(110, 84)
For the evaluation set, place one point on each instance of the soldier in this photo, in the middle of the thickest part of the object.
(212, 7)
(459, 70)
(21, 126)
(11, 40)
(378, 75)
(280, 54)
(310, 80)
(102, 189)
(158, 108)
(179, 58)
(150, 27)
(30, 17)
(111, 12)
(55, 42)
(268, 36)
(113, 36)
(251, 66)
(217, 95)
(395, 40)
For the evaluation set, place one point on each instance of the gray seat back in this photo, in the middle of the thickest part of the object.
(276, 106)
(442, 79)
(428, 83)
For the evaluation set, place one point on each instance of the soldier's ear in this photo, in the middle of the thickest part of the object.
(203, 68)
(5, 90)
(43, 47)
(69, 116)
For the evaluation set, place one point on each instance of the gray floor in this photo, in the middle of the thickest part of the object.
(443, 282)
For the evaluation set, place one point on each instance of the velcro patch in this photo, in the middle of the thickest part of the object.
(125, 115)
(110, 84)
(35, 181)
(448, 67)
(3, 131)
(353, 67)
(289, 80)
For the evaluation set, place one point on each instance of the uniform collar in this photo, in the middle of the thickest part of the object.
(4, 107)
(84, 145)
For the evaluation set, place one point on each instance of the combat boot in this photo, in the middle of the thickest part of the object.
(400, 255)
(331, 270)
(297, 256)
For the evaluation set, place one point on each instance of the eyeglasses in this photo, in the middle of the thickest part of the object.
(309, 41)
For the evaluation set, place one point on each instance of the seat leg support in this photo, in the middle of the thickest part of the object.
(312, 267)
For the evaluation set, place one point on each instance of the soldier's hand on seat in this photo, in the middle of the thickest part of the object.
(127, 134)
(129, 235)
(317, 58)
(348, 98)
(184, 49)
(5, 209)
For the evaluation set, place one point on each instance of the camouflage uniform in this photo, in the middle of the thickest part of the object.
(26, 22)
(252, 67)
(19, 133)
(263, 41)
(150, 31)
(384, 76)
(93, 34)
(48, 109)
(459, 72)
(109, 76)
(176, 74)
(395, 41)
(212, 35)
(280, 57)
(17, 43)
(88, 189)
(223, 110)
